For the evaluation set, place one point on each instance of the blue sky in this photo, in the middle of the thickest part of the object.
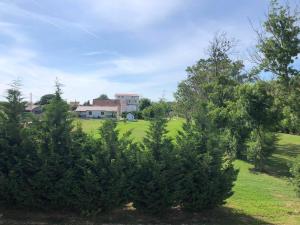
(109, 46)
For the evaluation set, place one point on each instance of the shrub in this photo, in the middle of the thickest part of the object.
(153, 178)
(206, 176)
(295, 171)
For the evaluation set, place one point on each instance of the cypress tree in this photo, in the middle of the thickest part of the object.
(205, 176)
(153, 180)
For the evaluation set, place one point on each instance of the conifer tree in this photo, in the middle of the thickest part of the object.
(18, 153)
(205, 175)
(154, 178)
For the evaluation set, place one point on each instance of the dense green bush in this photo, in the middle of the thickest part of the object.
(295, 171)
(49, 163)
(153, 181)
(206, 176)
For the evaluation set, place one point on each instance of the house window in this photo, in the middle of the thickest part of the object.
(90, 113)
(102, 113)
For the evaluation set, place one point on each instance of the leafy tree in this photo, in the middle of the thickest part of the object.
(156, 110)
(144, 103)
(205, 176)
(258, 108)
(277, 51)
(153, 179)
(103, 97)
(45, 99)
(279, 43)
(213, 81)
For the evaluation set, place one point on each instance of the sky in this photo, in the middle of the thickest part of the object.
(112, 46)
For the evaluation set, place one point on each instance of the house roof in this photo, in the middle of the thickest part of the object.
(97, 108)
(126, 94)
(106, 102)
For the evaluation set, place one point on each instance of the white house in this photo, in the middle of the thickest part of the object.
(129, 102)
(97, 111)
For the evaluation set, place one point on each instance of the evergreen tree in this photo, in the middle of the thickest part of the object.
(105, 178)
(153, 181)
(257, 105)
(18, 153)
(56, 154)
(205, 175)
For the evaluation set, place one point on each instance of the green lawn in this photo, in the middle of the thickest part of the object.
(259, 198)
(138, 128)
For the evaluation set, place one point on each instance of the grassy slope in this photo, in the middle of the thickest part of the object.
(267, 197)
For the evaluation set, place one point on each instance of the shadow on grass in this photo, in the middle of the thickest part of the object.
(219, 216)
(279, 163)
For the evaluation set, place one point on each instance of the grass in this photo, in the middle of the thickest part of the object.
(138, 128)
(259, 198)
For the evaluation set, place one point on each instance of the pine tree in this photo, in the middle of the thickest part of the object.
(105, 181)
(18, 154)
(154, 179)
(205, 175)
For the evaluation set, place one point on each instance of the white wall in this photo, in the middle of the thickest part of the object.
(97, 114)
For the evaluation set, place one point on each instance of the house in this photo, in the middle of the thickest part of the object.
(95, 111)
(35, 109)
(109, 103)
(129, 102)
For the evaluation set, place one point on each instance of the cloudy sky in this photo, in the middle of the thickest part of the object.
(109, 46)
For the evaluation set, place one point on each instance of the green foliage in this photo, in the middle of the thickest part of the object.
(102, 97)
(46, 99)
(295, 171)
(206, 176)
(156, 110)
(278, 49)
(18, 153)
(153, 179)
(279, 45)
(105, 181)
(261, 145)
(257, 104)
(144, 103)
(213, 82)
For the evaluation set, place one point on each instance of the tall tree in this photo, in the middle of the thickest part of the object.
(277, 51)
(18, 153)
(205, 176)
(213, 81)
(257, 105)
(153, 180)
(144, 103)
(45, 99)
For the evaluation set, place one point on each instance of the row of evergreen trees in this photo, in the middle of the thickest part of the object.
(48, 163)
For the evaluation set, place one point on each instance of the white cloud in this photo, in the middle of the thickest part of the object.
(132, 14)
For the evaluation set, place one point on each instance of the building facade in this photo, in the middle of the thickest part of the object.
(97, 111)
(128, 102)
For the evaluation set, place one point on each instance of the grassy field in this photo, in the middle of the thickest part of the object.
(138, 128)
(259, 198)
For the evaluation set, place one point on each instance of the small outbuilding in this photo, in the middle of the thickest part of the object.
(130, 116)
